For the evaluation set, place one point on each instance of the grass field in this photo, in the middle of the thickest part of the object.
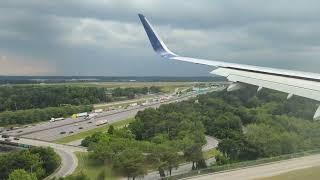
(92, 131)
(312, 173)
(92, 169)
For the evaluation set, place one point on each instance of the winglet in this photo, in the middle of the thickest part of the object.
(156, 42)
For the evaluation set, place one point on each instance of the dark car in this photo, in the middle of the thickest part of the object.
(5, 136)
(16, 138)
(63, 132)
(89, 122)
(80, 127)
(20, 131)
(70, 132)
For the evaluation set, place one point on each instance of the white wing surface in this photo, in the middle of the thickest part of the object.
(299, 83)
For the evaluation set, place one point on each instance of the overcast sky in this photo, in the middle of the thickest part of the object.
(105, 37)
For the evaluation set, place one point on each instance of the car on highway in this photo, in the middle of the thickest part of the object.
(16, 138)
(20, 131)
(89, 122)
(5, 136)
(80, 127)
(70, 132)
(63, 132)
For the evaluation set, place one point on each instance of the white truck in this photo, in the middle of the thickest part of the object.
(101, 122)
(91, 115)
(98, 110)
(56, 119)
(83, 114)
(133, 104)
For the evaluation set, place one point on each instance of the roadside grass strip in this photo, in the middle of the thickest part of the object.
(93, 169)
(312, 173)
(84, 134)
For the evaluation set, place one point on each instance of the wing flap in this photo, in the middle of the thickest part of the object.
(289, 85)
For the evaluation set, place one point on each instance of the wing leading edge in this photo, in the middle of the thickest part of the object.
(299, 83)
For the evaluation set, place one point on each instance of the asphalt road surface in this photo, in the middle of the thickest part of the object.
(266, 170)
(211, 143)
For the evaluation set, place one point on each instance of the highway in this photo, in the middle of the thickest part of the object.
(50, 131)
(264, 170)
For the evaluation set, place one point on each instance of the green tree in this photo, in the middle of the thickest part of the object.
(110, 129)
(194, 154)
(164, 157)
(50, 159)
(96, 137)
(265, 137)
(20, 174)
(131, 163)
(23, 159)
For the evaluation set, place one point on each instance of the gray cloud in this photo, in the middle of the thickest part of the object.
(104, 37)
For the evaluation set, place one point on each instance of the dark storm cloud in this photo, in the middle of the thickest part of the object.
(104, 37)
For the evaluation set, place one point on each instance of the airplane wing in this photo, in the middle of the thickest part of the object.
(298, 83)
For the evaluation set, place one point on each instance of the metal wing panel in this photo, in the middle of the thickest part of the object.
(300, 87)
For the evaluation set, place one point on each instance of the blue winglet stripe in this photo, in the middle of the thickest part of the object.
(154, 39)
(151, 35)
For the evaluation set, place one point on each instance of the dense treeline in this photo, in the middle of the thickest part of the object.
(160, 149)
(28, 97)
(14, 98)
(249, 125)
(37, 115)
(34, 163)
(166, 135)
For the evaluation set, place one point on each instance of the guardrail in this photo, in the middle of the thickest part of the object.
(239, 165)
(15, 144)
